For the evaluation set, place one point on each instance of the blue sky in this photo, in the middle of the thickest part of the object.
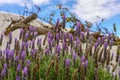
(84, 9)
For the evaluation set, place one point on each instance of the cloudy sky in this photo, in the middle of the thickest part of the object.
(84, 9)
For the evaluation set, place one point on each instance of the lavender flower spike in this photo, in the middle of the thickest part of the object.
(25, 71)
(17, 77)
(86, 63)
(67, 62)
(74, 56)
(82, 58)
(18, 67)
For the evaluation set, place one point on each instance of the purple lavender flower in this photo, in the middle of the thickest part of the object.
(17, 77)
(103, 38)
(74, 56)
(99, 40)
(96, 45)
(26, 35)
(18, 67)
(28, 62)
(47, 51)
(78, 26)
(105, 45)
(32, 52)
(58, 49)
(65, 36)
(10, 35)
(61, 34)
(49, 42)
(77, 42)
(86, 63)
(35, 34)
(70, 37)
(53, 43)
(64, 45)
(21, 33)
(23, 45)
(57, 36)
(5, 66)
(82, 58)
(82, 35)
(39, 41)
(16, 58)
(12, 53)
(26, 44)
(67, 62)
(23, 54)
(25, 71)
(3, 72)
(32, 29)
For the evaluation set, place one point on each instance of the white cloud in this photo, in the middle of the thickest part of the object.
(89, 9)
(21, 2)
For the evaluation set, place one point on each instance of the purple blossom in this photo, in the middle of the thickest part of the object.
(39, 41)
(26, 35)
(49, 42)
(53, 43)
(32, 52)
(78, 26)
(25, 71)
(10, 35)
(67, 62)
(23, 44)
(82, 58)
(74, 56)
(47, 51)
(82, 35)
(26, 44)
(64, 45)
(61, 34)
(5, 66)
(3, 72)
(65, 36)
(70, 37)
(16, 58)
(17, 77)
(18, 67)
(86, 63)
(99, 40)
(58, 49)
(57, 36)
(103, 38)
(77, 41)
(12, 53)
(23, 54)
(96, 45)
(28, 62)
(35, 34)
(32, 29)
(105, 45)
